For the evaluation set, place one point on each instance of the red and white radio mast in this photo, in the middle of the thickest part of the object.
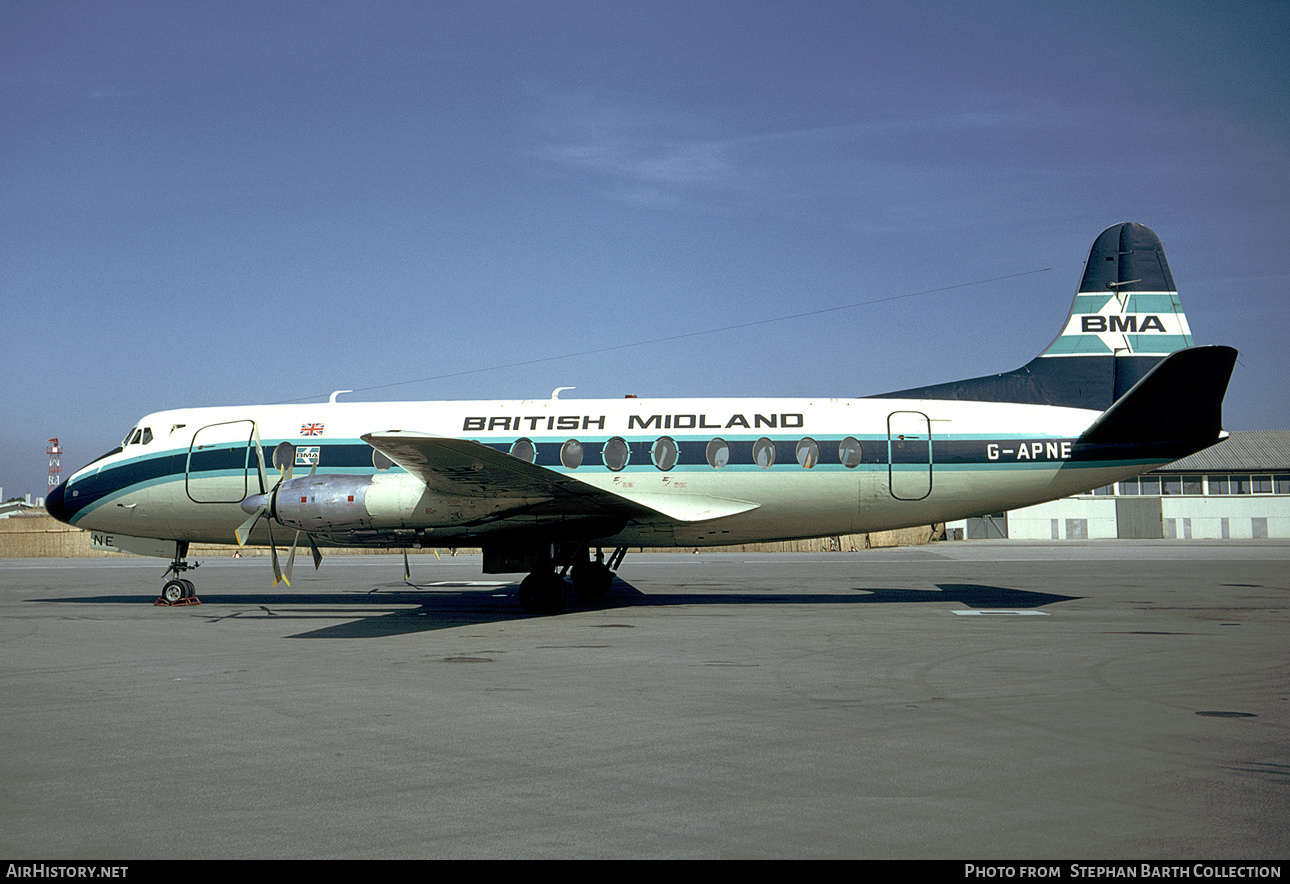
(55, 452)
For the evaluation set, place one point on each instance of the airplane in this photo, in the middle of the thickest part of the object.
(539, 484)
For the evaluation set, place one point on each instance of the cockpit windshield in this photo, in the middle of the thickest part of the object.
(137, 436)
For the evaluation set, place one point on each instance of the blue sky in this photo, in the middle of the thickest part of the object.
(222, 203)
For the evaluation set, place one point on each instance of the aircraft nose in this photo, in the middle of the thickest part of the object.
(56, 504)
(254, 502)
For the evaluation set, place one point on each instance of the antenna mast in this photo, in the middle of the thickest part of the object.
(55, 452)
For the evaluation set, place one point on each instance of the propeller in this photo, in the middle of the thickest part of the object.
(262, 505)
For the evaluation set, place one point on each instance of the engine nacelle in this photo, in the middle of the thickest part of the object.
(324, 503)
(335, 504)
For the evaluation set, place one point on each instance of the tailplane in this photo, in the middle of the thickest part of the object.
(1176, 409)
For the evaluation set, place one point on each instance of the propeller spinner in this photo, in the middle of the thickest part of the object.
(263, 505)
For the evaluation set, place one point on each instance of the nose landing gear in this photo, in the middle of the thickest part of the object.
(179, 591)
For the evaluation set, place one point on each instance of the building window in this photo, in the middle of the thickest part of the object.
(1193, 485)
(1170, 485)
(1261, 484)
(1129, 487)
(1218, 484)
(1149, 485)
(1282, 484)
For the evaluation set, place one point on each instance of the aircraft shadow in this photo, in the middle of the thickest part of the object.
(441, 607)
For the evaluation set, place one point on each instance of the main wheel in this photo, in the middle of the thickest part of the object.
(592, 580)
(542, 592)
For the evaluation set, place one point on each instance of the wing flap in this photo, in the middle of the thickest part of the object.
(689, 507)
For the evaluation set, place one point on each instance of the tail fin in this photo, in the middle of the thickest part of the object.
(1127, 306)
(1126, 317)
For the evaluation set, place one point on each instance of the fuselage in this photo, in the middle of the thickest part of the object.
(796, 467)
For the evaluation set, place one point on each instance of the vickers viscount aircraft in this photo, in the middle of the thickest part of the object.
(541, 484)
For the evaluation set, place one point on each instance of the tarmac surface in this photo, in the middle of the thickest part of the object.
(971, 700)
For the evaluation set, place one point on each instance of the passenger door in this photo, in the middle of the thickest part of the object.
(909, 455)
(221, 466)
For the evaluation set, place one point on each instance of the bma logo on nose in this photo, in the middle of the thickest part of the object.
(1127, 324)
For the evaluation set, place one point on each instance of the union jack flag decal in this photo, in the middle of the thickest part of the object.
(311, 429)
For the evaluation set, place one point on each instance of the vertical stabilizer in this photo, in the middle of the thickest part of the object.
(1125, 318)
(1127, 304)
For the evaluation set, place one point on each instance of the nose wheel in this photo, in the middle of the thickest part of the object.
(179, 590)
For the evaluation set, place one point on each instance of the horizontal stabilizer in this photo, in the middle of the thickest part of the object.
(1178, 404)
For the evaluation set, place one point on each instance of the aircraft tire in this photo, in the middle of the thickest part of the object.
(542, 593)
(175, 591)
(592, 580)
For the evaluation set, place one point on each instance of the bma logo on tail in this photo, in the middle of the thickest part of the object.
(1128, 324)
(1141, 324)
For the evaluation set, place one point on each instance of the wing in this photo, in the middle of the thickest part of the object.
(463, 468)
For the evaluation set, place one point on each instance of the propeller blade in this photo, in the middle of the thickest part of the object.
(313, 551)
(257, 505)
(273, 551)
(407, 572)
(291, 560)
(244, 530)
(259, 458)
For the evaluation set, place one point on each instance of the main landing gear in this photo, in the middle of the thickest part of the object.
(180, 590)
(543, 591)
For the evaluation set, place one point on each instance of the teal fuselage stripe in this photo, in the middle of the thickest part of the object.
(355, 457)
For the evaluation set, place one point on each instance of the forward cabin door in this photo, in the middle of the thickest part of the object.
(221, 465)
